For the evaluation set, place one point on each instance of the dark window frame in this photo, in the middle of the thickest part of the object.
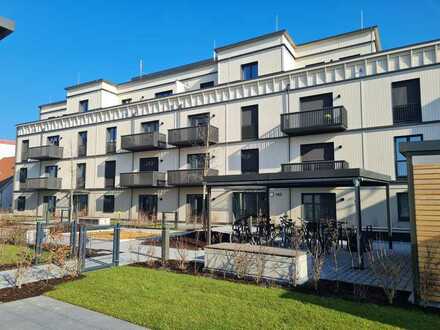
(126, 101)
(198, 157)
(22, 175)
(330, 145)
(81, 179)
(413, 109)
(396, 161)
(47, 169)
(327, 99)
(109, 174)
(82, 146)
(313, 203)
(204, 116)
(154, 160)
(108, 204)
(251, 66)
(54, 137)
(399, 197)
(83, 108)
(24, 150)
(245, 135)
(252, 167)
(161, 94)
(21, 203)
(207, 84)
(153, 123)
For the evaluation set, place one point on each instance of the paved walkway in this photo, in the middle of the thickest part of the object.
(44, 313)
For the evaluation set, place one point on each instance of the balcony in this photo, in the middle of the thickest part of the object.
(110, 147)
(46, 183)
(192, 177)
(321, 165)
(192, 136)
(82, 150)
(144, 141)
(408, 113)
(324, 120)
(45, 152)
(80, 183)
(142, 179)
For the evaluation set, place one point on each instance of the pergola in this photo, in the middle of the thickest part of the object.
(331, 178)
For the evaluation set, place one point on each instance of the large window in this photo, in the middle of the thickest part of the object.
(316, 102)
(164, 93)
(194, 208)
(199, 120)
(317, 152)
(109, 204)
(82, 144)
(249, 204)
(249, 122)
(197, 161)
(149, 164)
(81, 176)
(207, 84)
(147, 207)
(111, 140)
(249, 161)
(21, 203)
(400, 160)
(110, 173)
(51, 204)
(150, 126)
(81, 205)
(249, 71)
(22, 175)
(24, 150)
(51, 171)
(402, 207)
(84, 106)
(319, 207)
(406, 101)
(54, 140)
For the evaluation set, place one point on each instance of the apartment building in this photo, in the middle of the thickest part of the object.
(266, 105)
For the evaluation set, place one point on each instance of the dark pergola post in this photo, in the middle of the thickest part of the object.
(357, 194)
(390, 231)
(267, 201)
(208, 215)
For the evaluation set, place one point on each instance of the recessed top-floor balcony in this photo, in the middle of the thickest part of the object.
(144, 141)
(317, 165)
(45, 183)
(45, 152)
(193, 136)
(142, 179)
(190, 177)
(331, 119)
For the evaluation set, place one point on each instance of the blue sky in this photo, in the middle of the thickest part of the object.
(55, 41)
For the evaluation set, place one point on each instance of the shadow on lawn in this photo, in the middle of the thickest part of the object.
(385, 314)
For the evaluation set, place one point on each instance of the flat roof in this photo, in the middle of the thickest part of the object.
(325, 178)
(7, 26)
(430, 147)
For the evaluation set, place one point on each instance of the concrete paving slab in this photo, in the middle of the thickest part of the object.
(42, 312)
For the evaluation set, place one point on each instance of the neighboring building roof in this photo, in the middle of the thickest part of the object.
(6, 181)
(7, 26)
(7, 166)
(7, 142)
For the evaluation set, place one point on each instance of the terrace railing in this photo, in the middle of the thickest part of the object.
(144, 141)
(188, 177)
(188, 136)
(315, 166)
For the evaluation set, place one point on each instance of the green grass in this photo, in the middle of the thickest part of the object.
(9, 254)
(165, 300)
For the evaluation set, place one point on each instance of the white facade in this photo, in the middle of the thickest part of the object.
(352, 67)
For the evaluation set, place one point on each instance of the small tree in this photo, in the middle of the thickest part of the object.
(297, 241)
(318, 257)
(182, 253)
(24, 262)
(260, 264)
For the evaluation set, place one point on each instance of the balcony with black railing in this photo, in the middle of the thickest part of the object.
(45, 152)
(82, 150)
(144, 141)
(407, 113)
(332, 119)
(319, 165)
(191, 177)
(45, 183)
(110, 147)
(80, 183)
(142, 179)
(192, 136)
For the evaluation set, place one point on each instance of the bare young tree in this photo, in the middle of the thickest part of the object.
(23, 264)
(242, 263)
(297, 241)
(182, 253)
(318, 256)
(260, 262)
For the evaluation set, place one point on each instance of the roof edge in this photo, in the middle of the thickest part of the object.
(91, 82)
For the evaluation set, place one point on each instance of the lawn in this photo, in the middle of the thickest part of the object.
(9, 254)
(164, 300)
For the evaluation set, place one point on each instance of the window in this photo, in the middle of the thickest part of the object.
(111, 140)
(249, 204)
(249, 71)
(80, 205)
(110, 173)
(81, 176)
(317, 152)
(207, 84)
(197, 161)
(84, 106)
(316, 102)
(54, 140)
(149, 164)
(109, 204)
(406, 101)
(400, 160)
(21, 203)
(51, 204)
(194, 208)
(24, 150)
(51, 171)
(249, 161)
(319, 207)
(147, 207)
(22, 175)
(126, 101)
(82, 144)
(163, 94)
(249, 122)
(402, 207)
(150, 126)
(199, 120)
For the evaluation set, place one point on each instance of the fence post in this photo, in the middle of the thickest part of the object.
(165, 250)
(38, 240)
(73, 230)
(82, 247)
(116, 244)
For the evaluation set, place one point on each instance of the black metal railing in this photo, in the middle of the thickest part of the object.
(189, 177)
(320, 165)
(188, 136)
(109, 182)
(314, 121)
(110, 147)
(142, 179)
(408, 113)
(45, 183)
(25, 155)
(82, 150)
(50, 151)
(80, 183)
(144, 141)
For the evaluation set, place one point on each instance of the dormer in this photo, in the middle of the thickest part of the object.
(267, 54)
(91, 95)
